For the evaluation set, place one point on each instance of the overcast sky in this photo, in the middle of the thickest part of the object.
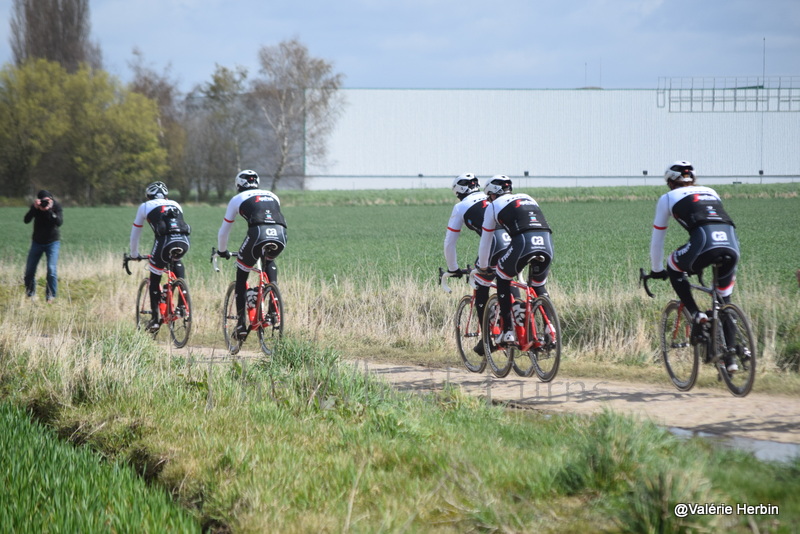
(553, 44)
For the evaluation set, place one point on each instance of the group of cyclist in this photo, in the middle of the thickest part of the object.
(265, 239)
(514, 234)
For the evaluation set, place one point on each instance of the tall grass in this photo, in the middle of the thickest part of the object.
(304, 442)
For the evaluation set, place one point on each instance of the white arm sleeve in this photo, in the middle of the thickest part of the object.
(451, 238)
(487, 235)
(660, 223)
(136, 230)
(227, 223)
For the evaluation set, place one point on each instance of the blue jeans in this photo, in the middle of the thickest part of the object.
(34, 255)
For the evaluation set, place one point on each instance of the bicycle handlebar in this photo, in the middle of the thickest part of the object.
(444, 275)
(126, 258)
(215, 254)
(643, 278)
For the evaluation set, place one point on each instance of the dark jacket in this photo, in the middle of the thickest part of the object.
(45, 223)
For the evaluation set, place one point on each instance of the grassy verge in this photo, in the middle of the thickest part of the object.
(304, 443)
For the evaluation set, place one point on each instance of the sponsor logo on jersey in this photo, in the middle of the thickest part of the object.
(524, 202)
(537, 241)
(719, 236)
(698, 197)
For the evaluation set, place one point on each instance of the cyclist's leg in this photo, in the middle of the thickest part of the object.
(681, 263)
(538, 270)
(155, 296)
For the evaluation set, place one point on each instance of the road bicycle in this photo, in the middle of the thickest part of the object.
(538, 348)
(466, 321)
(264, 311)
(728, 332)
(174, 306)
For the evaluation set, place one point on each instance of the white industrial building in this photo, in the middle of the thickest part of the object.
(732, 129)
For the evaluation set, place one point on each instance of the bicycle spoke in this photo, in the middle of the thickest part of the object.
(499, 359)
(180, 316)
(681, 359)
(270, 318)
(737, 345)
(230, 319)
(468, 335)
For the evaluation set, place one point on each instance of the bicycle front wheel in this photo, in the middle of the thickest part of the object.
(545, 353)
(499, 359)
(143, 312)
(468, 333)
(741, 347)
(180, 316)
(270, 317)
(229, 320)
(680, 358)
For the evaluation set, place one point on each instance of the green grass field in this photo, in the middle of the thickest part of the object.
(301, 443)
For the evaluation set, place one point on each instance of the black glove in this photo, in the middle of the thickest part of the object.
(224, 254)
(660, 275)
(455, 274)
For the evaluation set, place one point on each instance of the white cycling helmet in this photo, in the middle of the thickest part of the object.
(499, 184)
(247, 180)
(464, 184)
(680, 172)
(156, 190)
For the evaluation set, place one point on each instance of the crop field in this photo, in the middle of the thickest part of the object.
(372, 262)
(300, 443)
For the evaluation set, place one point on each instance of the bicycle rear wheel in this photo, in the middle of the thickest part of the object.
(468, 333)
(143, 312)
(270, 317)
(680, 358)
(499, 359)
(742, 348)
(180, 316)
(545, 354)
(229, 320)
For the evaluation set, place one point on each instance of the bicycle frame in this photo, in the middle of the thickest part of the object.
(530, 336)
(255, 317)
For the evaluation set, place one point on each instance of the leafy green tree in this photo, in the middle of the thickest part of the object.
(33, 118)
(114, 139)
(82, 135)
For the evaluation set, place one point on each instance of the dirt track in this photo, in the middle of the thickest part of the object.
(758, 416)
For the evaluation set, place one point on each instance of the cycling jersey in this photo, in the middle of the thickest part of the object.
(692, 206)
(518, 214)
(469, 212)
(165, 218)
(266, 236)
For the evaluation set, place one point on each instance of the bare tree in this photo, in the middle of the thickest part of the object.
(221, 134)
(299, 101)
(56, 30)
(172, 132)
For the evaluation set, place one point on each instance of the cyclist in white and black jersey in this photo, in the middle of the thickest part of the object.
(712, 236)
(521, 216)
(468, 212)
(165, 218)
(265, 240)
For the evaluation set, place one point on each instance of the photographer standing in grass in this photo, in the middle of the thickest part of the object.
(47, 217)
